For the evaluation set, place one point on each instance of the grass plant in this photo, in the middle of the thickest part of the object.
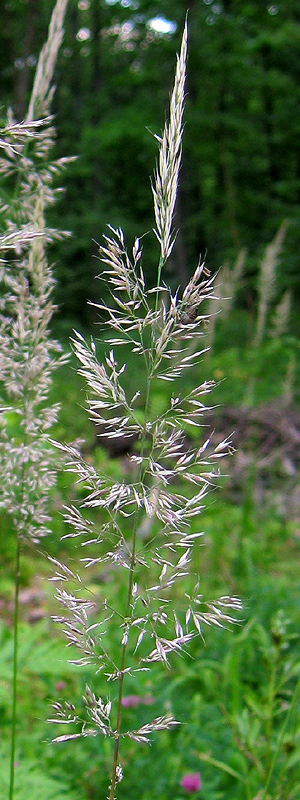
(230, 666)
(28, 352)
(141, 602)
(167, 479)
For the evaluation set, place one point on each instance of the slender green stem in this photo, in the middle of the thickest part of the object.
(15, 673)
(131, 571)
(221, 766)
(128, 614)
(121, 679)
(160, 266)
(269, 725)
(280, 740)
(118, 728)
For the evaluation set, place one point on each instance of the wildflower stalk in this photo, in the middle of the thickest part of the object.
(122, 673)
(157, 327)
(28, 355)
(164, 194)
(15, 672)
(128, 615)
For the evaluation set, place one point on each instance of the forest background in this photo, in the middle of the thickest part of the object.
(240, 173)
(238, 698)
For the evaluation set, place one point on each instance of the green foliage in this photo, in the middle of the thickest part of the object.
(240, 175)
(261, 708)
(214, 691)
(30, 775)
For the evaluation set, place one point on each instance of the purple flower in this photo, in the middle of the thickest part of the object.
(192, 782)
(148, 700)
(131, 701)
(134, 700)
(60, 686)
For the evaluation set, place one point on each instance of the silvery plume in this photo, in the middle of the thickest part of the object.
(28, 353)
(166, 485)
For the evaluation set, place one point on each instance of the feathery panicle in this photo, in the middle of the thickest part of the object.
(43, 89)
(231, 280)
(267, 282)
(282, 314)
(224, 294)
(167, 170)
(28, 354)
(238, 267)
(167, 481)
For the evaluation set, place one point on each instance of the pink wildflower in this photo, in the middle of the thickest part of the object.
(148, 700)
(134, 700)
(192, 782)
(60, 686)
(131, 701)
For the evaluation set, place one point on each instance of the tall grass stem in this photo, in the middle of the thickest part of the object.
(15, 672)
(279, 745)
(128, 607)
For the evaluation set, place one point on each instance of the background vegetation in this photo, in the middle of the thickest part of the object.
(240, 173)
(237, 697)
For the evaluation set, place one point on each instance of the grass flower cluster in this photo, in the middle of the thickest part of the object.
(28, 353)
(168, 478)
